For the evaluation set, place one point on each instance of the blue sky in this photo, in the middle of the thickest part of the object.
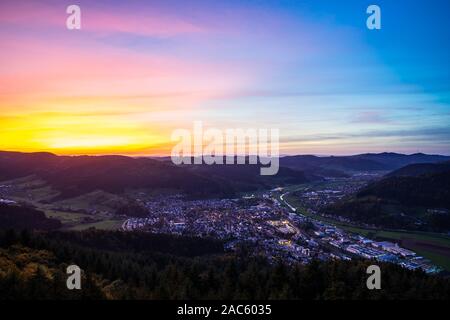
(309, 68)
(359, 90)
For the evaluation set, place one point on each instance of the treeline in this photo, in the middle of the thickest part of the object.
(33, 267)
(138, 242)
(77, 176)
(132, 209)
(21, 217)
(428, 190)
(401, 202)
(389, 214)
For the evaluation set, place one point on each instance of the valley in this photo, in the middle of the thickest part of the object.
(431, 245)
(134, 195)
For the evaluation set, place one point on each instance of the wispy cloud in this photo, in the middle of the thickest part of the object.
(101, 20)
(139, 65)
(439, 133)
(370, 117)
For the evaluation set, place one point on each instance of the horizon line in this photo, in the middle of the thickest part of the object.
(246, 155)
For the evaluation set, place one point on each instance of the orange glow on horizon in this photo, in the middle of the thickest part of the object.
(73, 134)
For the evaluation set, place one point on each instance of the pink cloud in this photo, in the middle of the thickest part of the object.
(38, 70)
(96, 20)
(141, 24)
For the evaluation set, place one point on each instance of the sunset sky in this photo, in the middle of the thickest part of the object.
(137, 70)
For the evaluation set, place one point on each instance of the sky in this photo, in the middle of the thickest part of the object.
(138, 70)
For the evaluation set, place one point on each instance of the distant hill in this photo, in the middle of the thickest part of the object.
(247, 177)
(415, 170)
(345, 165)
(393, 161)
(75, 176)
(428, 189)
(403, 199)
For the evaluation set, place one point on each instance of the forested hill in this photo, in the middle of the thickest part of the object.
(75, 176)
(427, 189)
(340, 166)
(413, 197)
(33, 267)
(418, 169)
(20, 217)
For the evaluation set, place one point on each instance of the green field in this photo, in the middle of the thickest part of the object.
(95, 209)
(81, 221)
(30, 189)
(101, 225)
(66, 217)
(96, 200)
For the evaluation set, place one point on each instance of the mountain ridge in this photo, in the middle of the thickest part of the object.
(413, 197)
